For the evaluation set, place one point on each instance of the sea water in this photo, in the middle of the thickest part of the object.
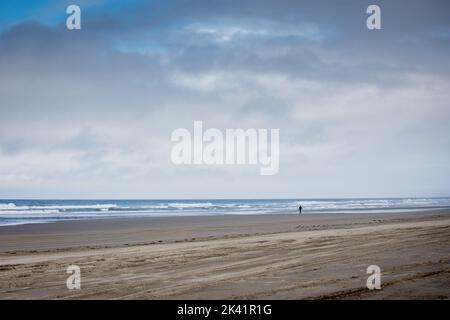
(14, 212)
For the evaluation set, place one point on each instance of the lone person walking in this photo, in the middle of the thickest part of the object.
(300, 209)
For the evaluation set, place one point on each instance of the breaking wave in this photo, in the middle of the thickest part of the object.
(33, 211)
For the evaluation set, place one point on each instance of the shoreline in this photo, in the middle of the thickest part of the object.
(109, 232)
(368, 211)
(309, 256)
(15, 212)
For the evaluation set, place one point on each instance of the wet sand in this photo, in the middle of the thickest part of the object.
(231, 257)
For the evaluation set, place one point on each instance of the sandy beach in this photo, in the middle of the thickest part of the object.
(231, 257)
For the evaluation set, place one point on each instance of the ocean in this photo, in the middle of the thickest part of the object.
(16, 212)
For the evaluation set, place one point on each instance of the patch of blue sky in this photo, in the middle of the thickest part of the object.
(53, 12)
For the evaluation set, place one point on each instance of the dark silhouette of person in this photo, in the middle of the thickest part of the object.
(300, 209)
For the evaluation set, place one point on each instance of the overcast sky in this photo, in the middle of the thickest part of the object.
(89, 113)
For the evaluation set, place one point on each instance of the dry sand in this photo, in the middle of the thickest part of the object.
(231, 257)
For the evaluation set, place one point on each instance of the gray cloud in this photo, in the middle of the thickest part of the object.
(89, 113)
